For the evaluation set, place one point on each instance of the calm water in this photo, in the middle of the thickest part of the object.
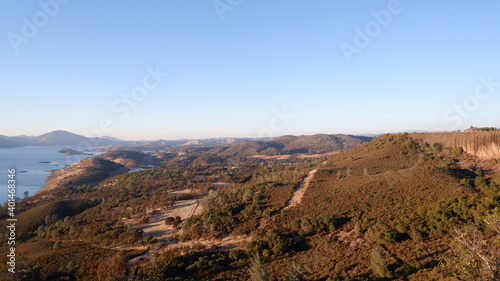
(28, 159)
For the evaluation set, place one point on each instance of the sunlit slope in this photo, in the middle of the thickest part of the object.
(389, 177)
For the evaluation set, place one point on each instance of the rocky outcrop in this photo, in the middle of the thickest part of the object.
(485, 145)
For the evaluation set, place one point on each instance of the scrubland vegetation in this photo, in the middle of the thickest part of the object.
(389, 209)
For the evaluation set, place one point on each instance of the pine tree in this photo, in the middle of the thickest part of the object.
(295, 272)
(357, 228)
(258, 271)
(379, 264)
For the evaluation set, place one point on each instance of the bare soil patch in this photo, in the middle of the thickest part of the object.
(182, 208)
(300, 190)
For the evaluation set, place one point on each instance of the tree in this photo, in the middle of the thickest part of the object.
(379, 264)
(357, 228)
(474, 242)
(173, 221)
(258, 271)
(339, 174)
(295, 272)
(348, 172)
(493, 221)
(40, 231)
(475, 255)
(365, 171)
(248, 195)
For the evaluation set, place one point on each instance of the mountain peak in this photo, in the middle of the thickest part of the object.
(59, 132)
(60, 137)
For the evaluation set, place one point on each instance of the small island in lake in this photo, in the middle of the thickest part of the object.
(69, 151)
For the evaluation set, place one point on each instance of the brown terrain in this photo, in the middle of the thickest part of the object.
(393, 204)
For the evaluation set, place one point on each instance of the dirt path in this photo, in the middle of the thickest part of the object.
(182, 208)
(300, 190)
(296, 199)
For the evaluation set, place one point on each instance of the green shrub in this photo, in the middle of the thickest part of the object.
(312, 225)
(279, 244)
(274, 244)
(175, 222)
(382, 234)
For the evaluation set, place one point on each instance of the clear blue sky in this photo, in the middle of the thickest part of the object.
(230, 71)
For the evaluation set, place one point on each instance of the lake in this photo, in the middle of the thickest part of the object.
(32, 164)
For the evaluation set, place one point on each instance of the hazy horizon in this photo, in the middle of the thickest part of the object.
(172, 70)
(229, 136)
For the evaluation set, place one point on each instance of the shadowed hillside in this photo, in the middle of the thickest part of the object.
(484, 145)
(53, 211)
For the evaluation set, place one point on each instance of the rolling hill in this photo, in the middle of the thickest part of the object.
(130, 159)
(89, 171)
(314, 144)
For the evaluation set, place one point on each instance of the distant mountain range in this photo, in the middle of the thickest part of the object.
(227, 146)
(64, 138)
(55, 138)
(194, 142)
